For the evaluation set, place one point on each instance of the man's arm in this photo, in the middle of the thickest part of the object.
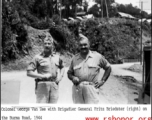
(33, 74)
(61, 67)
(106, 66)
(106, 74)
(71, 71)
(71, 76)
(60, 72)
(31, 70)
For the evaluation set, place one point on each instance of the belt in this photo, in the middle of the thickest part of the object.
(85, 83)
(44, 79)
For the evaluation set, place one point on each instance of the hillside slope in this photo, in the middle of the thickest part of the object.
(35, 36)
(103, 36)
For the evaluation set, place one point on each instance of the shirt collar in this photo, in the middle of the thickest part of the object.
(90, 55)
(43, 54)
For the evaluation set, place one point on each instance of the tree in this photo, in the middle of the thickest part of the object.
(109, 2)
(40, 8)
(14, 35)
(71, 7)
(85, 5)
(94, 10)
(134, 11)
(144, 14)
(103, 8)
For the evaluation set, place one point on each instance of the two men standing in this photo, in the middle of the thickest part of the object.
(84, 72)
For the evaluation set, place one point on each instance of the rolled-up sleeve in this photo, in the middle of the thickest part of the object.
(71, 70)
(104, 63)
(32, 65)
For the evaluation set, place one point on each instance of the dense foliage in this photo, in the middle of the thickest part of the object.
(14, 36)
(114, 41)
(64, 38)
(111, 40)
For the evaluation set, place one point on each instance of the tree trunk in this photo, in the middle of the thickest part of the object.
(106, 9)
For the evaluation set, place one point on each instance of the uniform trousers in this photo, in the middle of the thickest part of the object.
(85, 93)
(47, 92)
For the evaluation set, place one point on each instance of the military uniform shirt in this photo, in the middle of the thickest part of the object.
(88, 69)
(45, 65)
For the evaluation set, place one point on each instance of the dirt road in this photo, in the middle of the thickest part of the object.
(114, 91)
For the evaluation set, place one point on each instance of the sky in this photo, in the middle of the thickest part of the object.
(146, 3)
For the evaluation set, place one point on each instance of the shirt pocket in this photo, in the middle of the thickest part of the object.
(44, 64)
(93, 68)
(94, 72)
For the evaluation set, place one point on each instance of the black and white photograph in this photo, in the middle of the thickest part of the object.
(76, 52)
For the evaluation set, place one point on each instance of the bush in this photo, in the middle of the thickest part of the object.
(146, 26)
(56, 19)
(42, 24)
(64, 38)
(73, 27)
(31, 18)
(113, 40)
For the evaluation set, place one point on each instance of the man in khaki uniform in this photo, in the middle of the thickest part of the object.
(49, 73)
(84, 73)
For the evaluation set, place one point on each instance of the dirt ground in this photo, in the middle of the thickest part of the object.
(114, 91)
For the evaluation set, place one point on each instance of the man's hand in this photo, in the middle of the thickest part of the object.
(98, 84)
(75, 80)
(47, 76)
(58, 79)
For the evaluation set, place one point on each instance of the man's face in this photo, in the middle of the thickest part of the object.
(84, 46)
(48, 44)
